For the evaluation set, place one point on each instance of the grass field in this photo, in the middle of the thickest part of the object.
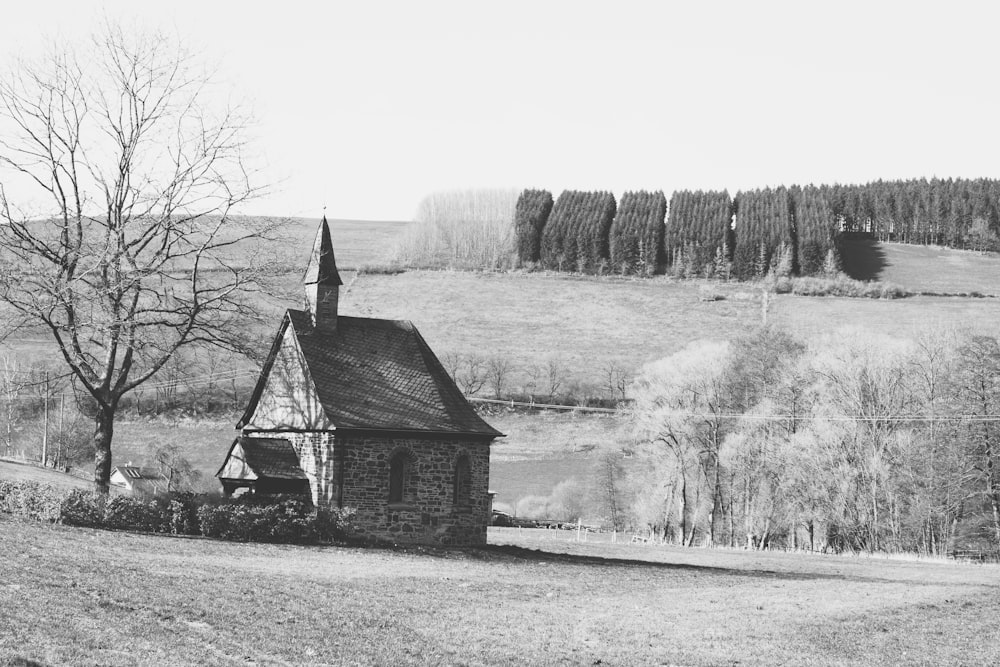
(81, 596)
(588, 322)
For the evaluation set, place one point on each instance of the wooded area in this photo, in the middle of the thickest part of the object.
(780, 231)
(864, 442)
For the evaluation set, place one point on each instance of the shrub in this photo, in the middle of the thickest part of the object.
(288, 520)
(82, 508)
(128, 513)
(251, 519)
(530, 215)
(841, 285)
(334, 525)
(30, 500)
(183, 514)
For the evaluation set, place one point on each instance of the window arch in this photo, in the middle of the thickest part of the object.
(462, 490)
(399, 473)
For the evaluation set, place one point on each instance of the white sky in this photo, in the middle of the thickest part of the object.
(365, 107)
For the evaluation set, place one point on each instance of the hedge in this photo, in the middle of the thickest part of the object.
(248, 519)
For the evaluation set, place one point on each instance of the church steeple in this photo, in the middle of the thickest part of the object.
(322, 281)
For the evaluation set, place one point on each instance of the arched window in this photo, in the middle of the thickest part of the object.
(399, 471)
(463, 481)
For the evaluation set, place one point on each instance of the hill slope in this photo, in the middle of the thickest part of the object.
(923, 268)
(78, 596)
(16, 471)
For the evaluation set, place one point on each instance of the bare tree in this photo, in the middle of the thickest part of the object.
(608, 475)
(497, 373)
(616, 380)
(555, 376)
(180, 474)
(472, 377)
(979, 395)
(452, 362)
(116, 214)
(13, 381)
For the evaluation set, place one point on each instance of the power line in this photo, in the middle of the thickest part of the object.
(758, 417)
(541, 406)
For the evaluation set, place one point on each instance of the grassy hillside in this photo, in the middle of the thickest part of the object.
(529, 318)
(923, 268)
(81, 596)
(16, 471)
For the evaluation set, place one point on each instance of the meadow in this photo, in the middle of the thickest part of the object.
(83, 596)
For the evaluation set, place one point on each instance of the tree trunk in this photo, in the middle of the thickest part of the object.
(104, 426)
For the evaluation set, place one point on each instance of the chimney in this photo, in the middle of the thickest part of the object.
(322, 281)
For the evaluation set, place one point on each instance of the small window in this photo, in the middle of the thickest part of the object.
(463, 481)
(399, 470)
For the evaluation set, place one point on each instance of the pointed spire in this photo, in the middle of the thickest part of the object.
(322, 267)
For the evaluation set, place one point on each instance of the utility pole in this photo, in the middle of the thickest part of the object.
(45, 426)
(62, 431)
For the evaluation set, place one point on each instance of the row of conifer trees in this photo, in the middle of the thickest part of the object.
(794, 230)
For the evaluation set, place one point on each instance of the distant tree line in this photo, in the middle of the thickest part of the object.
(844, 442)
(782, 231)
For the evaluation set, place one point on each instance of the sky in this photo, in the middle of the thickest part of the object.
(364, 108)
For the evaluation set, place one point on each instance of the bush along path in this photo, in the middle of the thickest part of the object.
(248, 519)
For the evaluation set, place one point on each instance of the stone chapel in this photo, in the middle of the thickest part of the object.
(359, 413)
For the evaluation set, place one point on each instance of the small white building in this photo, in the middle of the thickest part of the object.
(135, 481)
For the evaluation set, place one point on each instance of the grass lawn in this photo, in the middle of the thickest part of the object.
(81, 596)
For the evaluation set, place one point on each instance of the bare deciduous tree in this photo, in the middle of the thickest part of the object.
(116, 213)
(616, 380)
(180, 474)
(555, 376)
(472, 376)
(497, 373)
(13, 381)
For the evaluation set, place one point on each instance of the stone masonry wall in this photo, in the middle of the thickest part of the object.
(427, 514)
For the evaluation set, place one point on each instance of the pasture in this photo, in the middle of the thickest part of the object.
(82, 596)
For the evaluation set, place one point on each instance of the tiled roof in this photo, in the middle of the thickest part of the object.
(141, 480)
(376, 374)
(137, 473)
(272, 457)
